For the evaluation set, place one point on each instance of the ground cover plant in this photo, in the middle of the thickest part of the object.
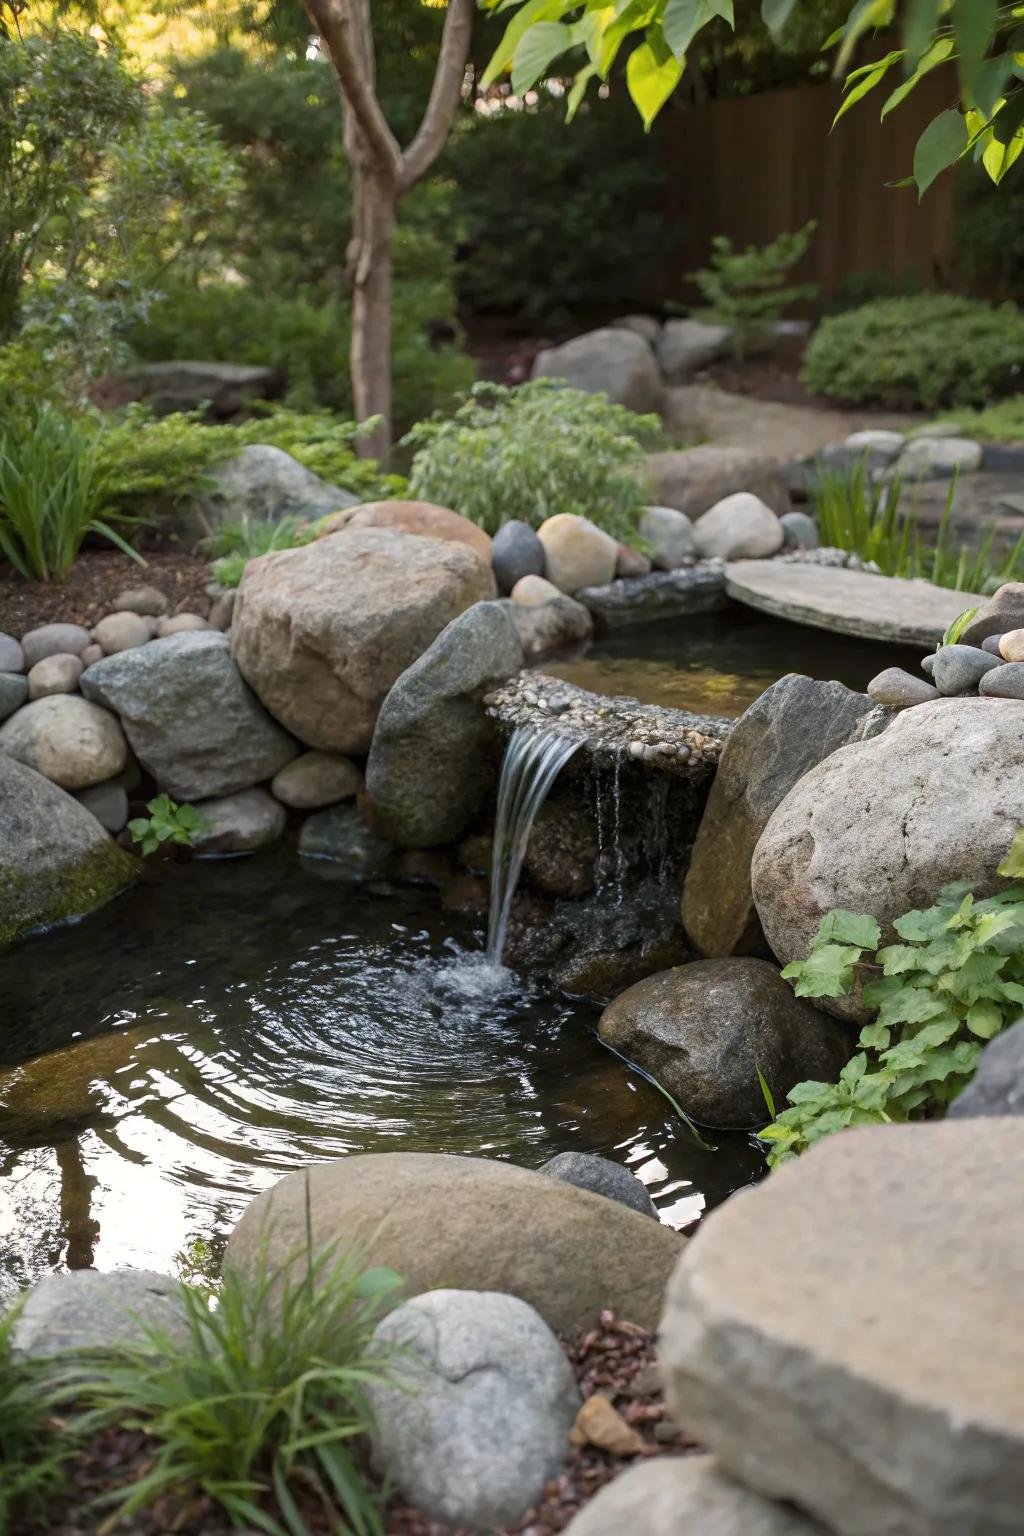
(952, 981)
(999, 423)
(533, 452)
(166, 822)
(233, 545)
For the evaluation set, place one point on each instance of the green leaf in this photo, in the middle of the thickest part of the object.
(842, 927)
(984, 1019)
(865, 15)
(936, 55)
(533, 11)
(911, 1005)
(922, 924)
(920, 20)
(683, 19)
(998, 157)
(775, 13)
(990, 81)
(651, 80)
(974, 23)
(940, 146)
(854, 1070)
(827, 971)
(955, 628)
(1013, 863)
(535, 51)
(766, 1092)
(872, 76)
(896, 959)
(377, 1282)
(579, 90)
(875, 1037)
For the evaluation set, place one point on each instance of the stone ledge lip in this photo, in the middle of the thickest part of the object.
(848, 602)
(661, 595)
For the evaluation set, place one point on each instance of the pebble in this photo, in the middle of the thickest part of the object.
(928, 663)
(896, 689)
(960, 668)
(223, 611)
(54, 674)
(531, 591)
(991, 644)
(1011, 645)
(91, 655)
(12, 657)
(54, 640)
(108, 802)
(13, 692)
(799, 531)
(1005, 682)
(146, 600)
(122, 632)
(180, 621)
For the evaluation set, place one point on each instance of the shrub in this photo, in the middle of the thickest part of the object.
(988, 229)
(955, 979)
(1000, 423)
(532, 452)
(745, 289)
(930, 351)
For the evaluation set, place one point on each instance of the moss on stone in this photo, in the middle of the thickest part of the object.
(37, 899)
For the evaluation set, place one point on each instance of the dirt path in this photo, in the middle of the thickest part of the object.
(785, 431)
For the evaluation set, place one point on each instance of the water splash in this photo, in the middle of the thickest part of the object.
(533, 761)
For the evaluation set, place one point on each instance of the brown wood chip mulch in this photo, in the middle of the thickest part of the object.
(96, 579)
(615, 1359)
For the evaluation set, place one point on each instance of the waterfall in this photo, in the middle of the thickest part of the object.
(533, 760)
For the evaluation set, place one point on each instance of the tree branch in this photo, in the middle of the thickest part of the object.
(338, 23)
(444, 94)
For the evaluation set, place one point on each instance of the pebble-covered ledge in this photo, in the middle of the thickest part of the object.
(612, 729)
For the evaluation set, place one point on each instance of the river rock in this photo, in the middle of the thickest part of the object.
(937, 458)
(56, 861)
(685, 1496)
(695, 479)
(561, 855)
(90, 655)
(107, 802)
(322, 632)
(881, 825)
(1003, 611)
(647, 326)
(602, 1177)
(670, 536)
(316, 779)
(83, 1310)
(704, 1030)
(630, 562)
(611, 362)
(223, 390)
(960, 668)
(180, 624)
(793, 725)
(476, 1417)
(147, 600)
(12, 657)
(54, 674)
(685, 346)
(997, 1087)
(419, 517)
(799, 531)
(189, 717)
(69, 741)
(990, 644)
(53, 640)
(871, 450)
(1011, 645)
(576, 552)
(896, 689)
(222, 611)
(531, 591)
(470, 1223)
(741, 527)
(429, 766)
(264, 482)
(516, 552)
(339, 835)
(1005, 682)
(122, 631)
(820, 1390)
(544, 628)
(13, 692)
(239, 823)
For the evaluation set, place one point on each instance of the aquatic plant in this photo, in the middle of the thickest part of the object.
(167, 822)
(954, 981)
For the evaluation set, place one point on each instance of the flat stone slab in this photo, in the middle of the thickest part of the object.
(661, 595)
(848, 602)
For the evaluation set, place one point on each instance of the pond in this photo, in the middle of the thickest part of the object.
(719, 663)
(166, 1059)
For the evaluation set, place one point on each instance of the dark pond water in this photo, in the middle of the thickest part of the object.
(163, 1061)
(719, 663)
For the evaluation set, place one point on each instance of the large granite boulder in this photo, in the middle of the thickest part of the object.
(265, 482)
(787, 731)
(429, 768)
(685, 1496)
(881, 825)
(419, 517)
(323, 632)
(997, 1087)
(616, 363)
(685, 346)
(476, 1416)
(469, 1223)
(705, 1030)
(56, 861)
(694, 479)
(876, 1383)
(189, 716)
(66, 739)
(224, 390)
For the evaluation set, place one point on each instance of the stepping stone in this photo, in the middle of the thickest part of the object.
(848, 602)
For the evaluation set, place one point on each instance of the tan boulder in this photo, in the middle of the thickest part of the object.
(419, 517)
(69, 741)
(577, 553)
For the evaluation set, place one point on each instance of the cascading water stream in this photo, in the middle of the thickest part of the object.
(533, 760)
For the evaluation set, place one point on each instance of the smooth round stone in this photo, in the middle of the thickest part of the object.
(991, 644)
(54, 674)
(630, 562)
(928, 663)
(222, 611)
(799, 531)
(107, 802)
(12, 657)
(897, 689)
(516, 551)
(146, 600)
(122, 632)
(531, 591)
(316, 779)
(66, 739)
(179, 623)
(1005, 682)
(577, 553)
(670, 536)
(1011, 645)
(960, 668)
(602, 1177)
(13, 692)
(54, 640)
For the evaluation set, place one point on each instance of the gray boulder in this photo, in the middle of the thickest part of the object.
(477, 1415)
(355, 851)
(83, 1310)
(871, 450)
(265, 482)
(703, 1031)
(66, 739)
(316, 779)
(960, 668)
(799, 531)
(239, 823)
(685, 1496)
(516, 551)
(997, 1087)
(602, 1177)
(881, 825)
(189, 716)
(1005, 682)
(613, 362)
(684, 347)
(56, 861)
(792, 727)
(936, 458)
(821, 1388)
(897, 689)
(428, 768)
(742, 527)
(13, 692)
(694, 479)
(670, 536)
(107, 802)
(647, 326)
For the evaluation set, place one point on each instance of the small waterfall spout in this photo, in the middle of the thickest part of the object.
(533, 760)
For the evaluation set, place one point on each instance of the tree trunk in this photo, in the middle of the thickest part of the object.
(370, 275)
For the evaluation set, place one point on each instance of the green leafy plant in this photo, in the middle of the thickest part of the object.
(746, 290)
(235, 544)
(954, 979)
(167, 822)
(261, 1404)
(955, 628)
(999, 423)
(33, 1447)
(49, 494)
(533, 452)
(925, 352)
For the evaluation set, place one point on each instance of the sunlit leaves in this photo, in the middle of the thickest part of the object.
(652, 74)
(536, 51)
(827, 971)
(859, 82)
(940, 146)
(973, 22)
(683, 19)
(937, 54)
(842, 927)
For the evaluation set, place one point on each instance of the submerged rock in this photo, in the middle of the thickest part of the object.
(340, 836)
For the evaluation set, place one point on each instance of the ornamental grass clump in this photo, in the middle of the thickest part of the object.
(33, 1445)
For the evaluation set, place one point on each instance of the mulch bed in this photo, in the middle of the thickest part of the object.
(615, 1359)
(95, 580)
